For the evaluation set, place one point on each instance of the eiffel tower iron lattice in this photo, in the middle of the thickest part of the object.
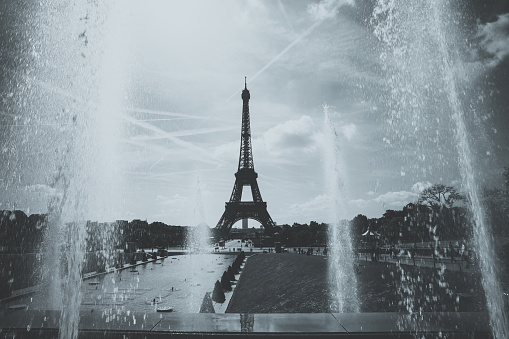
(236, 209)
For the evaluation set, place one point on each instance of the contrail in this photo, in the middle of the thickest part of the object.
(163, 133)
(158, 161)
(293, 43)
(52, 88)
(172, 114)
(277, 57)
(165, 151)
(287, 48)
(193, 149)
(171, 175)
(183, 133)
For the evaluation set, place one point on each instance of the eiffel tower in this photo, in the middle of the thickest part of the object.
(236, 209)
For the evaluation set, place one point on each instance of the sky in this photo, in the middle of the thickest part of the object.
(132, 109)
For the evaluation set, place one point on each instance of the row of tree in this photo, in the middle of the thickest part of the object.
(20, 233)
(440, 212)
(228, 276)
(301, 234)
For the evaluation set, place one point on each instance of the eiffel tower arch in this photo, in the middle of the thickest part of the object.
(235, 208)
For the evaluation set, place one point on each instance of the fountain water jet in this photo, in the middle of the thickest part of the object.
(482, 237)
(422, 61)
(342, 278)
(67, 95)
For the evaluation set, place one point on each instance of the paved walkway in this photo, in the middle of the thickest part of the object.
(423, 261)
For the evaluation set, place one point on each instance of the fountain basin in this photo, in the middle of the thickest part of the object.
(35, 324)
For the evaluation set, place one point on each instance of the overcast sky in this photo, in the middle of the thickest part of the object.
(132, 109)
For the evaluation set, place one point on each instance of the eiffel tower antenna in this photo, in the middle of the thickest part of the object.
(236, 209)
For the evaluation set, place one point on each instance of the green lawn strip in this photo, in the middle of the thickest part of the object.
(293, 283)
(282, 283)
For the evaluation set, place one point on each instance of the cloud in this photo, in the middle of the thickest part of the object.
(396, 199)
(358, 204)
(418, 187)
(290, 137)
(349, 131)
(495, 38)
(228, 151)
(326, 9)
(316, 206)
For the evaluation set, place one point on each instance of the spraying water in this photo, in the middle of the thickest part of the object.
(341, 263)
(482, 237)
(424, 103)
(66, 97)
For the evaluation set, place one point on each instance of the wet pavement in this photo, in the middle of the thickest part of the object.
(179, 282)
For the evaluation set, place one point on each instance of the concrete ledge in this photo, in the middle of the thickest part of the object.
(121, 324)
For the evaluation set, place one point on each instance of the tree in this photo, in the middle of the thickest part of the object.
(206, 304)
(225, 282)
(496, 204)
(286, 235)
(440, 199)
(440, 195)
(218, 294)
(359, 226)
(391, 227)
(231, 274)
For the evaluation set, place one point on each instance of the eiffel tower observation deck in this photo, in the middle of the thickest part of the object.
(235, 208)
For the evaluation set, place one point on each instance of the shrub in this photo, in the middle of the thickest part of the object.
(231, 274)
(206, 304)
(218, 294)
(225, 282)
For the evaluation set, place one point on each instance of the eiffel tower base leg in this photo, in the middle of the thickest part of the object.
(236, 211)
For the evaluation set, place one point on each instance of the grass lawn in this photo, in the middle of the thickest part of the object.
(295, 283)
(282, 283)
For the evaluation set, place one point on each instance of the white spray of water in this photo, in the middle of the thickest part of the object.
(424, 105)
(199, 237)
(71, 90)
(342, 278)
(483, 239)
